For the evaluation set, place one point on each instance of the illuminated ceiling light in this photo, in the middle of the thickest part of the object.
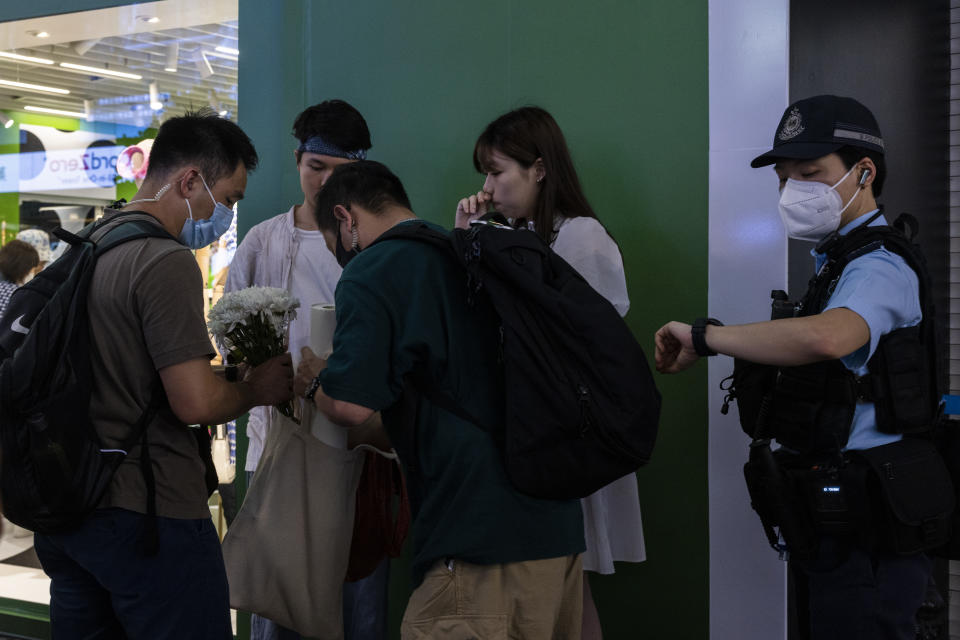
(220, 54)
(233, 52)
(17, 56)
(203, 65)
(56, 112)
(34, 87)
(155, 103)
(223, 113)
(82, 46)
(39, 34)
(173, 52)
(153, 20)
(101, 72)
(6, 121)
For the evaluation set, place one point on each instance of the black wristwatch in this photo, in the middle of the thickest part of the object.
(698, 333)
(312, 389)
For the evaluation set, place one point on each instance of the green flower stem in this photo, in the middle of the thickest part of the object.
(255, 342)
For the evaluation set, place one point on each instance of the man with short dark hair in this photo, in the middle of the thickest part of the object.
(149, 347)
(289, 252)
(489, 561)
(826, 395)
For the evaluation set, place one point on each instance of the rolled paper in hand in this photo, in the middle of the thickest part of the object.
(323, 321)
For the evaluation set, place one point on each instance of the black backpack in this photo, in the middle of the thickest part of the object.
(54, 469)
(581, 404)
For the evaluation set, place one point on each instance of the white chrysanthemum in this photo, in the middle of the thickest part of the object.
(239, 307)
(250, 326)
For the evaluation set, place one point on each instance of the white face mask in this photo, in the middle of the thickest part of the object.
(811, 210)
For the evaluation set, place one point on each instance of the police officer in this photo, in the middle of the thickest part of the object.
(828, 155)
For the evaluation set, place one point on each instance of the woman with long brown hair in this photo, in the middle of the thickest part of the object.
(530, 179)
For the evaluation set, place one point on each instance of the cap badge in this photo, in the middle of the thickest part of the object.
(792, 126)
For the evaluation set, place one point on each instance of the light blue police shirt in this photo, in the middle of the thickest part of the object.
(883, 290)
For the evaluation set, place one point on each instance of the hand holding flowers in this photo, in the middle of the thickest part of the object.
(250, 327)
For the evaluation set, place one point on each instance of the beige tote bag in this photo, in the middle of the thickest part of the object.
(287, 550)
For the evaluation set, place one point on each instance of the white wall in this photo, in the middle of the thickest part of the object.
(749, 55)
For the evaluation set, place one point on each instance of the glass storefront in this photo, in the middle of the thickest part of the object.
(81, 98)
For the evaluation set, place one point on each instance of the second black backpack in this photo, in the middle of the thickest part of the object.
(581, 405)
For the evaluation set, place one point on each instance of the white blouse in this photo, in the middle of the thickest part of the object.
(586, 245)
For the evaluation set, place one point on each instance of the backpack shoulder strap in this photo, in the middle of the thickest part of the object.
(133, 226)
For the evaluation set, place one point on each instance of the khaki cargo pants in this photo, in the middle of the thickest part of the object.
(533, 600)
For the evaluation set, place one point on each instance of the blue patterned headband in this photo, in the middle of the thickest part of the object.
(316, 144)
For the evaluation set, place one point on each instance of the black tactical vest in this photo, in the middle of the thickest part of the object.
(809, 408)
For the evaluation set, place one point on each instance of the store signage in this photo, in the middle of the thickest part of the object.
(50, 160)
(9, 176)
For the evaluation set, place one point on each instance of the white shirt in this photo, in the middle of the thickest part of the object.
(587, 247)
(275, 253)
(309, 284)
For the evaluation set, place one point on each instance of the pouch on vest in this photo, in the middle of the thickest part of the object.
(752, 385)
(812, 407)
(918, 496)
(807, 408)
(899, 383)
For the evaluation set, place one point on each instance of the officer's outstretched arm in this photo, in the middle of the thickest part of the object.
(787, 342)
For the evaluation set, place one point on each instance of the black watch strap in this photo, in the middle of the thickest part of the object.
(698, 334)
(312, 389)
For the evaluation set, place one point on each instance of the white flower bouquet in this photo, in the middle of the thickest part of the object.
(250, 327)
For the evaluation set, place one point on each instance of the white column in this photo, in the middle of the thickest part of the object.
(749, 75)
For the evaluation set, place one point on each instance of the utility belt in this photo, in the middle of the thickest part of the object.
(897, 497)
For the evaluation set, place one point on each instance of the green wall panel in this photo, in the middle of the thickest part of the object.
(627, 82)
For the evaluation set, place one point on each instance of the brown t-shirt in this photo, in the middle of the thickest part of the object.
(146, 313)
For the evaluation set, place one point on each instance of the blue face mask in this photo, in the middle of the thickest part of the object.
(197, 234)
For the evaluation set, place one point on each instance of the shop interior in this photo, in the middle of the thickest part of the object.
(81, 97)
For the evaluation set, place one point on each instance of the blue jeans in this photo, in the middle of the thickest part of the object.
(862, 595)
(103, 587)
(365, 605)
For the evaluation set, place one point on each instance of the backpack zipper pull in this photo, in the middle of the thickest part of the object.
(584, 396)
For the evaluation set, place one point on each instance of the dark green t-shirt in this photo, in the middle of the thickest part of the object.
(402, 308)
